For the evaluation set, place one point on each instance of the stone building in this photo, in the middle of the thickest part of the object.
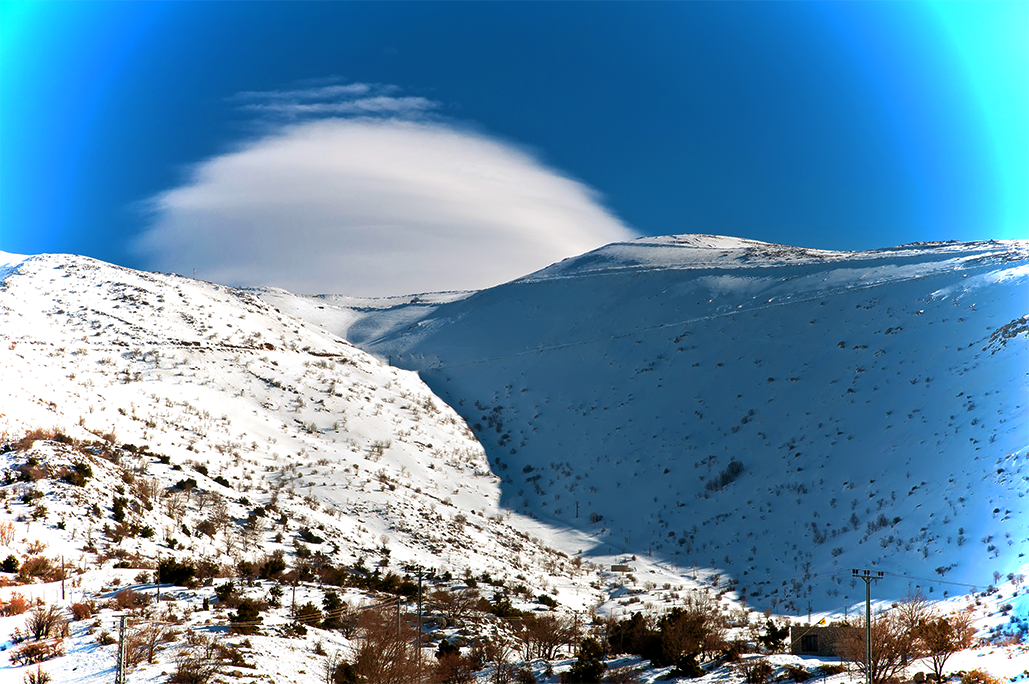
(818, 641)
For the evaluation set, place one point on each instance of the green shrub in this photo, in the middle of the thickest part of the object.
(175, 573)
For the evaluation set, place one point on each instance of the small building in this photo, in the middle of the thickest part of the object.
(818, 641)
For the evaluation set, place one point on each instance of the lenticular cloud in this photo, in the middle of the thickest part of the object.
(374, 207)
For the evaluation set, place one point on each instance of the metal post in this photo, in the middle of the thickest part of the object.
(418, 651)
(120, 677)
(868, 576)
(62, 578)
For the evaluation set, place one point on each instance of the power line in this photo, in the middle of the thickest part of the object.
(934, 581)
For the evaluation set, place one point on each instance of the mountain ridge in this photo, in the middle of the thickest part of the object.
(914, 331)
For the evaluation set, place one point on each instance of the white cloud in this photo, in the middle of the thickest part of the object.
(403, 106)
(334, 99)
(373, 207)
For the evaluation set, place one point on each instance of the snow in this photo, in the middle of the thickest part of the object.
(566, 393)
(861, 384)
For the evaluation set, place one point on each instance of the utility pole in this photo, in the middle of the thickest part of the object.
(868, 576)
(418, 651)
(120, 678)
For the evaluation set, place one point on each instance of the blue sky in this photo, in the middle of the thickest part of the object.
(389, 147)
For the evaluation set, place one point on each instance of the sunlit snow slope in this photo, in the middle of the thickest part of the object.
(228, 387)
(874, 404)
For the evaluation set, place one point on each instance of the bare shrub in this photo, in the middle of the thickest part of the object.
(384, 654)
(454, 605)
(44, 622)
(81, 611)
(39, 567)
(40, 676)
(623, 675)
(194, 668)
(756, 670)
(38, 652)
(33, 436)
(127, 599)
(979, 677)
(143, 641)
(16, 605)
(889, 646)
(942, 637)
(542, 635)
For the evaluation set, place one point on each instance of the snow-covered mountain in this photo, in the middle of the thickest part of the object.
(781, 415)
(257, 407)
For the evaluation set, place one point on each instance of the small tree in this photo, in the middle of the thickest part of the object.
(774, 638)
(454, 605)
(385, 654)
(542, 635)
(451, 667)
(308, 614)
(889, 645)
(171, 571)
(589, 667)
(942, 637)
(246, 618)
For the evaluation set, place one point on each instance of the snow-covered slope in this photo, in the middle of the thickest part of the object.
(225, 386)
(776, 413)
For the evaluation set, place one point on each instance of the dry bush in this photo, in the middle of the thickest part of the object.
(40, 676)
(979, 677)
(889, 646)
(452, 668)
(16, 605)
(37, 652)
(41, 567)
(384, 654)
(454, 605)
(542, 635)
(143, 641)
(44, 622)
(147, 490)
(796, 673)
(36, 546)
(31, 437)
(127, 599)
(941, 637)
(756, 670)
(6, 532)
(82, 611)
(194, 668)
(623, 675)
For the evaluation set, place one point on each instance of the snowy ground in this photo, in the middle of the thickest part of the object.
(209, 403)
